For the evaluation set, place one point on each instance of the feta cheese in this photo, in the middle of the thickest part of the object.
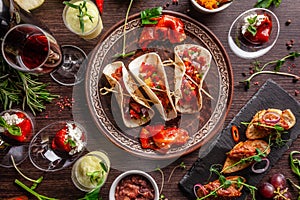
(258, 21)
(75, 134)
(12, 119)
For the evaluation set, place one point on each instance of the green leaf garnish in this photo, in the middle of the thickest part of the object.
(267, 3)
(82, 12)
(92, 195)
(251, 28)
(278, 65)
(71, 142)
(12, 129)
(149, 16)
(103, 166)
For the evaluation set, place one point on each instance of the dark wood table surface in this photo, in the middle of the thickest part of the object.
(59, 184)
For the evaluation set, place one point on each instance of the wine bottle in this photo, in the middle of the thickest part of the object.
(12, 14)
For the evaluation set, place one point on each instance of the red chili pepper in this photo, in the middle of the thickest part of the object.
(18, 198)
(235, 133)
(99, 4)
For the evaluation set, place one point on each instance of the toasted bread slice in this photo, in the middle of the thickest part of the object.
(243, 150)
(256, 128)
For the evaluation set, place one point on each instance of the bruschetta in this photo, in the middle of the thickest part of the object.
(263, 122)
(244, 150)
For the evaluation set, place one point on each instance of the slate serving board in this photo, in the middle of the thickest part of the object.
(270, 95)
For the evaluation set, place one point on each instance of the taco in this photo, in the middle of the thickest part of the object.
(149, 72)
(135, 110)
(192, 64)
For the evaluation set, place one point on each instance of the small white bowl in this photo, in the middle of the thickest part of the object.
(204, 10)
(244, 49)
(133, 172)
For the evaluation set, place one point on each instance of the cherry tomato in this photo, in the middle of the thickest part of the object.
(99, 4)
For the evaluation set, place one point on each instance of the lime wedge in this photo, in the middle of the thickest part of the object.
(28, 5)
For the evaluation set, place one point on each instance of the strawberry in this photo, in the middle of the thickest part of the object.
(60, 141)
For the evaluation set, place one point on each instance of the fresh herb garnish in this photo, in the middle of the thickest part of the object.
(31, 191)
(278, 65)
(35, 182)
(295, 163)
(92, 195)
(181, 165)
(251, 28)
(71, 142)
(162, 196)
(12, 129)
(267, 3)
(97, 177)
(17, 87)
(257, 157)
(82, 12)
(224, 183)
(149, 16)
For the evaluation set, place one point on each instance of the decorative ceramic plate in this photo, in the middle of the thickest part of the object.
(202, 126)
(270, 95)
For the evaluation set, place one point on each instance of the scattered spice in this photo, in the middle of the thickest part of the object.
(288, 22)
(65, 103)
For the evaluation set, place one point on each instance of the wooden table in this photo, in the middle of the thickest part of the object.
(59, 184)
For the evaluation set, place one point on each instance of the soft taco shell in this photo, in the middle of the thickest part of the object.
(154, 59)
(182, 75)
(121, 91)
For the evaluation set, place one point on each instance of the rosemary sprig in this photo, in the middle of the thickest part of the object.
(278, 65)
(17, 88)
(82, 12)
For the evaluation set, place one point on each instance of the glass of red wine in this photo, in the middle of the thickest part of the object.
(29, 48)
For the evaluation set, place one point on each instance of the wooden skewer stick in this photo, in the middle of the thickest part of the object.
(170, 62)
(105, 91)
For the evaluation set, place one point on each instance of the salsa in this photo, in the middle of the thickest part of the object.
(134, 187)
(132, 109)
(257, 28)
(189, 94)
(150, 75)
